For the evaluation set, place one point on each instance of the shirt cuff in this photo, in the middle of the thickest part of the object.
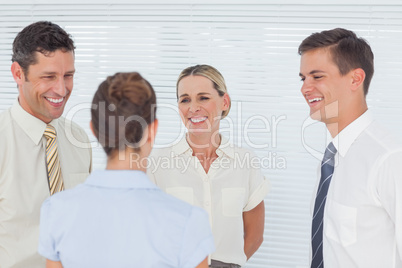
(258, 195)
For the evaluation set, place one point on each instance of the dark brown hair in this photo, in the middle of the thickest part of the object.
(123, 106)
(42, 36)
(347, 50)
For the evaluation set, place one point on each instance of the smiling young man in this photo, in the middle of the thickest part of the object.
(41, 152)
(358, 202)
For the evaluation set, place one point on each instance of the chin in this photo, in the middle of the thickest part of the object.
(316, 115)
(198, 130)
(54, 116)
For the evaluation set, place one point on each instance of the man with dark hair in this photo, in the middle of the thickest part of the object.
(42, 153)
(357, 208)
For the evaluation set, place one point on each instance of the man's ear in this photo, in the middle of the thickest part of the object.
(358, 76)
(18, 73)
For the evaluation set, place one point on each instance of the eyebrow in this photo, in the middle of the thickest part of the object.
(201, 93)
(312, 72)
(53, 73)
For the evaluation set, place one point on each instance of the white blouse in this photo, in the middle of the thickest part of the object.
(232, 186)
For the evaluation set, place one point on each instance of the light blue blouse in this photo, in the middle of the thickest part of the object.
(121, 219)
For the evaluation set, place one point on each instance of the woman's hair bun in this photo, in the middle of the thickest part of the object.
(127, 98)
(131, 87)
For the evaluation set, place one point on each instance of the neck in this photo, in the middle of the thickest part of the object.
(127, 160)
(204, 145)
(345, 119)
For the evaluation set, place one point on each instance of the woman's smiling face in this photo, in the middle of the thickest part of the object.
(200, 105)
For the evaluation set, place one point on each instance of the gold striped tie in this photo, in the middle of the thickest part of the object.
(52, 161)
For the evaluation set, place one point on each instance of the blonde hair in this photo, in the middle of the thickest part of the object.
(212, 74)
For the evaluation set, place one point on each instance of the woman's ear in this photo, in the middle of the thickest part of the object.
(226, 102)
(152, 129)
(91, 127)
(358, 76)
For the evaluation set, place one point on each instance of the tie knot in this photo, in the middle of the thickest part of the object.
(50, 132)
(330, 153)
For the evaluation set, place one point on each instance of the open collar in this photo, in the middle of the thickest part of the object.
(225, 148)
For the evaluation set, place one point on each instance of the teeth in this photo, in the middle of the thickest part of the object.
(313, 100)
(55, 100)
(198, 119)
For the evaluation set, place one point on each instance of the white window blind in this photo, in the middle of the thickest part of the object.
(254, 45)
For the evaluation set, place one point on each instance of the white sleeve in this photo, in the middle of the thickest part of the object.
(390, 192)
(258, 188)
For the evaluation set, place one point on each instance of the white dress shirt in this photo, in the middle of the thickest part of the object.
(23, 179)
(363, 211)
(231, 186)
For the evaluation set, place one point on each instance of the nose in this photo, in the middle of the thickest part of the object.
(194, 107)
(60, 87)
(306, 87)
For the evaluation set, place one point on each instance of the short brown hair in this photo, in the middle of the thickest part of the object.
(43, 37)
(126, 97)
(347, 50)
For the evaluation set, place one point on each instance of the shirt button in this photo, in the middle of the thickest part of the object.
(207, 203)
(205, 179)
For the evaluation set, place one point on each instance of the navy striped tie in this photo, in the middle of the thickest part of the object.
(327, 169)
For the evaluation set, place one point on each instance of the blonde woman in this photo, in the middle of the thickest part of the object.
(209, 172)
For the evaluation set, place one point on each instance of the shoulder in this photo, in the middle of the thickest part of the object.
(7, 133)
(244, 151)
(65, 200)
(71, 126)
(378, 148)
(72, 131)
(174, 149)
(381, 139)
(162, 152)
(236, 152)
(227, 144)
(5, 120)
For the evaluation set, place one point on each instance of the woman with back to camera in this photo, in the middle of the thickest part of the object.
(207, 171)
(118, 218)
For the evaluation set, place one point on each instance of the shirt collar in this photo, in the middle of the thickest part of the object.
(349, 134)
(181, 147)
(32, 126)
(224, 148)
(123, 179)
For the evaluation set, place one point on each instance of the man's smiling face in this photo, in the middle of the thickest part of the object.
(45, 89)
(324, 88)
